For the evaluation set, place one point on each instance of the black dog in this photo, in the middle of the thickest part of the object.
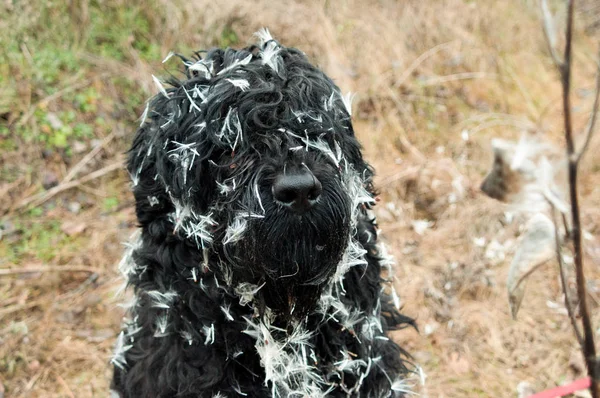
(257, 270)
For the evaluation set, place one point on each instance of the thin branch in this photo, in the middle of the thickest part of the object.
(75, 86)
(402, 109)
(20, 307)
(404, 113)
(566, 226)
(38, 199)
(564, 67)
(64, 385)
(589, 131)
(589, 349)
(435, 80)
(33, 270)
(415, 64)
(86, 159)
(550, 32)
(565, 78)
(534, 113)
(563, 280)
(92, 191)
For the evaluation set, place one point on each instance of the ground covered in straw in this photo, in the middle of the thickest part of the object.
(435, 82)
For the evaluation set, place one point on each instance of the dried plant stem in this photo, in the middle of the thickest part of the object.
(563, 280)
(86, 159)
(64, 385)
(564, 67)
(20, 307)
(588, 331)
(33, 270)
(58, 94)
(42, 197)
(549, 32)
(589, 131)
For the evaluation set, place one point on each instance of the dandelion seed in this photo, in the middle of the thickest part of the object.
(194, 275)
(247, 291)
(226, 309)
(240, 83)
(162, 300)
(161, 324)
(347, 101)
(118, 358)
(237, 63)
(192, 102)
(257, 196)
(264, 36)
(201, 66)
(160, 86)
(235, 230)
(270, 56)
(145, 114)
(210, 334)
(168, 57)
(187, 336)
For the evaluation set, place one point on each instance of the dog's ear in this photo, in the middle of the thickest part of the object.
(168, 160)
(146, 164)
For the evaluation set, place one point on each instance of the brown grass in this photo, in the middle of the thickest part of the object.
(425, 73)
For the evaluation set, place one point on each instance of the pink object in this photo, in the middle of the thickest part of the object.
(561, 391)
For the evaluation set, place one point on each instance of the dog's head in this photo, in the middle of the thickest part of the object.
(252, 159)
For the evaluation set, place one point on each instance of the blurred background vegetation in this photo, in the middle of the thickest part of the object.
(436, 80)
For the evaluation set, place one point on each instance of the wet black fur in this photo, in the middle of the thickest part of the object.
(277, 250)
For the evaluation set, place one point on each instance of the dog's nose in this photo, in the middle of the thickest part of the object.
(298, 190)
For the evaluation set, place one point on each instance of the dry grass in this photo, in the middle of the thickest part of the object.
(427, 74)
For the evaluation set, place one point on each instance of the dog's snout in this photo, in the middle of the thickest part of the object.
(298, 190)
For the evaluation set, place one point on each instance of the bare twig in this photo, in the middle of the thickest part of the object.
(402, 109)
(86, 159)
(19, 307)
(565, 77)
(92, 191)
(566, 226)
(42, 197)
(415, 64)
(563, 280)
(588, 331)
(64, 385)
(76, 86)
(550, 32)
(589, 131)
(33, 270)
(401, 131)
(406, 172)
(564, 68)
(5, 188)
(34, 379)
(532, 107)
(435, 80)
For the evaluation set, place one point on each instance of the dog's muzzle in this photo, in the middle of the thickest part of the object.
(297, 189)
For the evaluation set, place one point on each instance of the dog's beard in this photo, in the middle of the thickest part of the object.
(295, 255)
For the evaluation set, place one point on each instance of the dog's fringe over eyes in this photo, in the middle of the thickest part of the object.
(236, 291)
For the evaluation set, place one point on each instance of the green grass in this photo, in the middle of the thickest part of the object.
(39, 239)
(228, 37)
(110, 203)
(38, 236)
(38, 63)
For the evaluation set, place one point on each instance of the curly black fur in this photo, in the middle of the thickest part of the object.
(234, 293)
